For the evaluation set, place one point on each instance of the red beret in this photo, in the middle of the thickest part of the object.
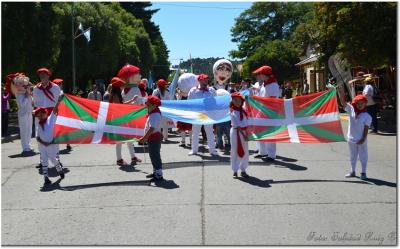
(44, 70)
(358, 98)
(202, 77)
(127, 71)
(161, 83)
(266, 70)
(237, 95)
(153, 100)
(142, 85)
(117, 82)
(58, 81)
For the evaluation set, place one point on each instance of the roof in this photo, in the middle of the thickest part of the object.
(312, 58)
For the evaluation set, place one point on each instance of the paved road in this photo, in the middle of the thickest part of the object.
(301, 199)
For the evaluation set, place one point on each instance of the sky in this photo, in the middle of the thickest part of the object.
(202, 29)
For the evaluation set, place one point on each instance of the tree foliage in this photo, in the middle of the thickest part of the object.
(263, 33)
(31, 41)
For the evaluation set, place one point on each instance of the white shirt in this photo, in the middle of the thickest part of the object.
(369, 93)
(196, 93)
(141, 100)
(130, 94)
(356, 125)
(41, 100)
(46, 133)
(92, 95)
(157, 93)
(270, 90)
(24, 104)
(235, 119)
(153, 121)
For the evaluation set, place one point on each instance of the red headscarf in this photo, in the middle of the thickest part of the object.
(356, 99)
(155, 101)
(239, 109)
(58, 81)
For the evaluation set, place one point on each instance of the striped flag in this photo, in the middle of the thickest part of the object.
(85, 121)
(172, 87)
(313, 118)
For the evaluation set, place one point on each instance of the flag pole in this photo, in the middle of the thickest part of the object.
(73, 48)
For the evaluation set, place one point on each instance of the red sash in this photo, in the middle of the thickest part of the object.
(240, 149)
(46, 91)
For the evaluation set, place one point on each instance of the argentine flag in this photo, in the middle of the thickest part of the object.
(204, 111)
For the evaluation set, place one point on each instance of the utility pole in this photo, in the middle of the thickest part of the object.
(73, 47)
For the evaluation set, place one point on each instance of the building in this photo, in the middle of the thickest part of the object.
(310, 72)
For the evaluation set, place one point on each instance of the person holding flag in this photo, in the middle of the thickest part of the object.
(153, 136)
(198, 92)
(45, 94)
(48, 150)
(130, 75)
(162, 93)
(269, 88)
(238, 134)
(359, 123)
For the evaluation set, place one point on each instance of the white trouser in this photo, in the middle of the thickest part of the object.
(164, 127)
(210, 138)
(358, 151)
(183, 136)
(49, 152)
(131, 149)
(25, 130)
(262, 148)
(236, 161)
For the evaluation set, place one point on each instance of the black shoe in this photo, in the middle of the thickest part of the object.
(47, 180)
(39, 166)
(62, 175)
(150, 176)
(69, 148)
(259, 156)
(235, 174)
(269, 159)
(182, 145)
(244, 174)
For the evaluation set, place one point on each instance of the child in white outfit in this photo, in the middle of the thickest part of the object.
(238, 133)
(359, 122)
(48, 150)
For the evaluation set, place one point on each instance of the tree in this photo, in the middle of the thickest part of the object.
(141, 10)
(31, 41)
(264, 34)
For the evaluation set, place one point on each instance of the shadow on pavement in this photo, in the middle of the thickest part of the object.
(381, 182)
(286, 159)
(267, 183)
(256, 181)
(26, 154)
(129, 168)
(166, 184)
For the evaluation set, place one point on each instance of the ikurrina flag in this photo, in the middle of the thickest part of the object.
(312, 118)
(85, 121)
